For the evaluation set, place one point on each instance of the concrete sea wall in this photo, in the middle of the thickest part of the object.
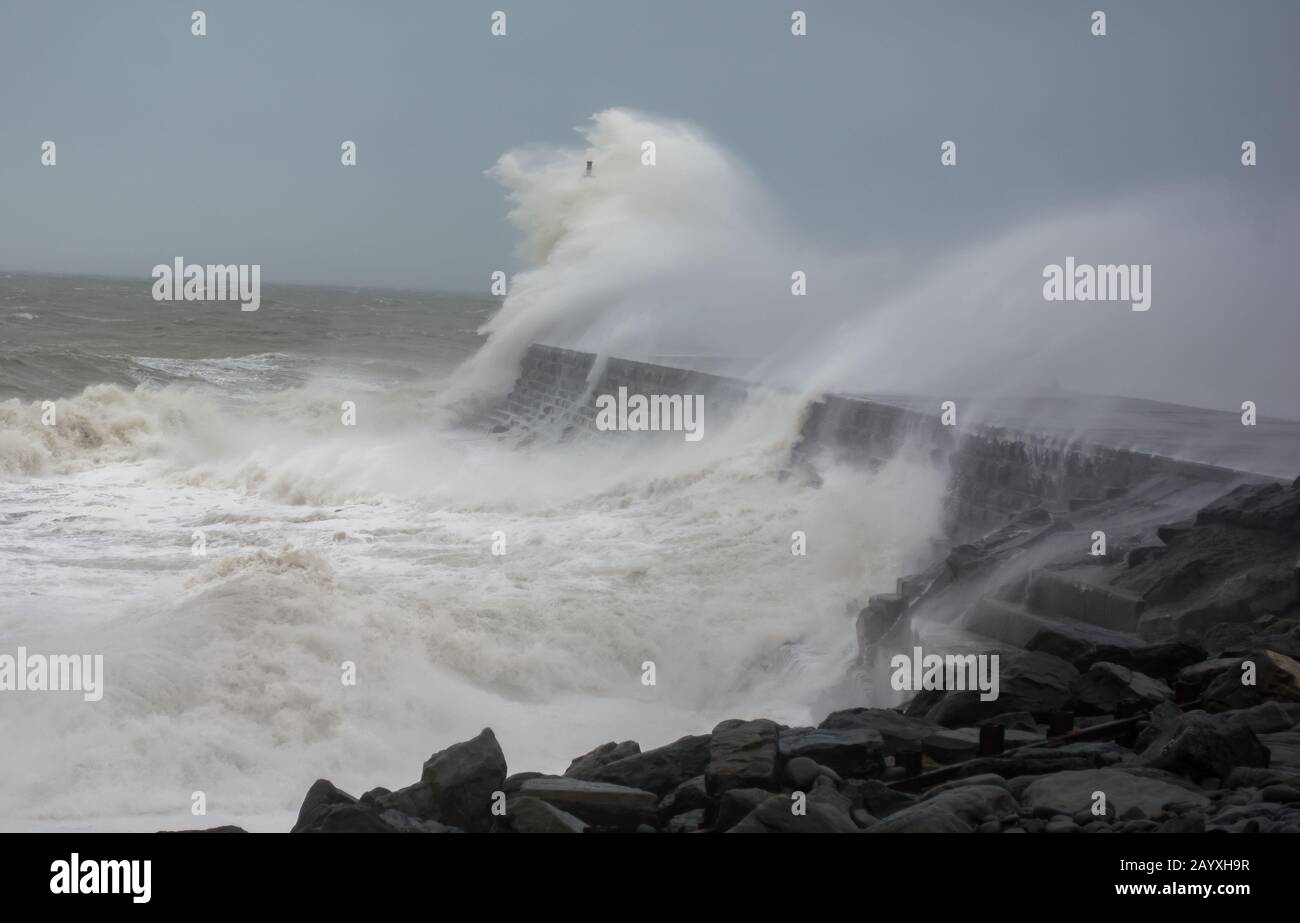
(995, 473)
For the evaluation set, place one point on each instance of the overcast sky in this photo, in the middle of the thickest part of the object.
(226, 148)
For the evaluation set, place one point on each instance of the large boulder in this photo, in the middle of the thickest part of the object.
(958, 810)
(876, 798)
(737, 803)
(742, 754)
(1108, 689)
(1276, 679)
(590, 762)
(532, 815)
(1028, 681)
(1083, 645)
(1269, 507)
(776, 815)
(462, 779)
(898, 732)
(691, 795)
(323, 794)
(853, 753)
(600, 804)
(1072, 792)
(1200, 746)
(659, 770)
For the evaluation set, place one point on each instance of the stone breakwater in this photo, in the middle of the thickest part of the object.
(1150, 687)
(994, 473)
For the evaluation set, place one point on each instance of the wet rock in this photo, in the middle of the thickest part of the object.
(659, 770)
(1198, 676)
(1201, 745)
(405, 823)
(1109, 689)
(515, 781)
(802, 772)
(823, 791)
(857, 753)
(877, 798)
(1070, 792)
(588, 763)
(1084, 645)
(775, 815)
(959, 810)
(1265, 718)
(532, 815)
(1191, 822)
(462, 779)
(1269, 507)
(1029, 681)
(323, 794)
(898, 732)
(600, 804)
(1227, 636)
(689, 796)
(987, 778)
(879, 618)
(742, 754)
(1277, 679)
(737, 803)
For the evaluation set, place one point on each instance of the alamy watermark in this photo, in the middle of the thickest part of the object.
(214, 282)
(951, 672)
(76, 875)
(26, 672)
(1109, 282)
(683, 413)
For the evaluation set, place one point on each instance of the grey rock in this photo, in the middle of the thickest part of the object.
(1069, 792)
(1198, 676)
(322, 794)
(532, 815)
(405, 823)
(851, 752)
(598, 803)
(737, 804)
(659, 770)
(742, 754)
(462, 779)
(689, 796)
(959, 810)
(801, 772)
(1190, 822)
(585, 765)
(1108, 688)
(1277, 679)
(1202, 745)
(876, 797)
(1265, 718)
(898, 732)
(775, 815)
(1029, 681)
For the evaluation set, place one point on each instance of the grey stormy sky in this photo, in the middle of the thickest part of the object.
(226, 148)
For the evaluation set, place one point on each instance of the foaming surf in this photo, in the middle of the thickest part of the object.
(373, 544)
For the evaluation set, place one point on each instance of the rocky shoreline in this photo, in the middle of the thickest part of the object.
(1187, 722)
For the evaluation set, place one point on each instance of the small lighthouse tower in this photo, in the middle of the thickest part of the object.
(587, 175)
